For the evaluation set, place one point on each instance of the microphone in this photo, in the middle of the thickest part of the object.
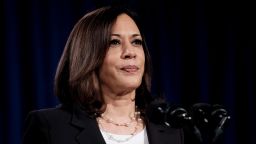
(156, 111)
(201, 114)
(201, 120)
(177, 117)
(210, 120)
(205, 121)
(219, 119)
(160, 112)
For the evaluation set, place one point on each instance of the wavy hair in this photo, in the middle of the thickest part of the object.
(77, 75)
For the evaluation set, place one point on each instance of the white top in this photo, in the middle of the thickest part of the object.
(139, 138)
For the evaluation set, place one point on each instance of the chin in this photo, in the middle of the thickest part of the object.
(133, 85)
(130, 82)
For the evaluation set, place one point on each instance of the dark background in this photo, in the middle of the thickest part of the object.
(202, 52)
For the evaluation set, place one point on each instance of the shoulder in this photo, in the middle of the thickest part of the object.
(36, 128)
(50, 125)
(42, 120)
(55, 113)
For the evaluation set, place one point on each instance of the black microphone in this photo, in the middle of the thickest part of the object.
(177, 117)
(160, 112)
(201, 114)
(219, 119)
(156, 111)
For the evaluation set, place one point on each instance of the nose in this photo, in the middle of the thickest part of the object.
(128, 51)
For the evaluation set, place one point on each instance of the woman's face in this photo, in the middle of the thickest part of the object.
(123, 65)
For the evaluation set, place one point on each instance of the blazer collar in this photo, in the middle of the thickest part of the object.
(154, 133)
(90, 132)
(160, 134)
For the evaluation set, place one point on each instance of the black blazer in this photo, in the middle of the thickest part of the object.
(63, 125)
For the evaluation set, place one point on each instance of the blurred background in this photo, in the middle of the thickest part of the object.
(202, 52)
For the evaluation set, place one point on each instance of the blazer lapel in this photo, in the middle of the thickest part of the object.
(154, 133)
(90, 132)
(159, 134)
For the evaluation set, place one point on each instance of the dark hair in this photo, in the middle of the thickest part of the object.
(77, 75)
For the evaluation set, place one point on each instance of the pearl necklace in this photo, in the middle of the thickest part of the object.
(135, 117)
(111, 137)
(126, 124)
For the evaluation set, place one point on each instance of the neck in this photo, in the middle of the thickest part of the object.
(119, 107)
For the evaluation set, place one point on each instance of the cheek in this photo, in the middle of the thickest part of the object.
(108, 66)
(105, 69)
(105, 74)
(112, 56)
(142, 58)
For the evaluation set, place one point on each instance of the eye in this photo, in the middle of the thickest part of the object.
(114, 42)
(137, 42)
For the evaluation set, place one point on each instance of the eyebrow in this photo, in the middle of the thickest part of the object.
(133, 35)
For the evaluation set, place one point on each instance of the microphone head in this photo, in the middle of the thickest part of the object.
(218, 111)
(156, 112)
(218, 114)
(177, 117)
(201, 114)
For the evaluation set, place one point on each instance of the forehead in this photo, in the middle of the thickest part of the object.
(125, 23)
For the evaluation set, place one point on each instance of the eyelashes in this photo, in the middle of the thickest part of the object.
(137, 42)
(114, 42)
(117, 42)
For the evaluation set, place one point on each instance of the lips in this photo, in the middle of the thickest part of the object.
(130, 68)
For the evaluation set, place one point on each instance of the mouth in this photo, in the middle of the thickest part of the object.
(130, 68)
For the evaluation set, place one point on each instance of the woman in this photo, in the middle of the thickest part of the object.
(103, 83)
